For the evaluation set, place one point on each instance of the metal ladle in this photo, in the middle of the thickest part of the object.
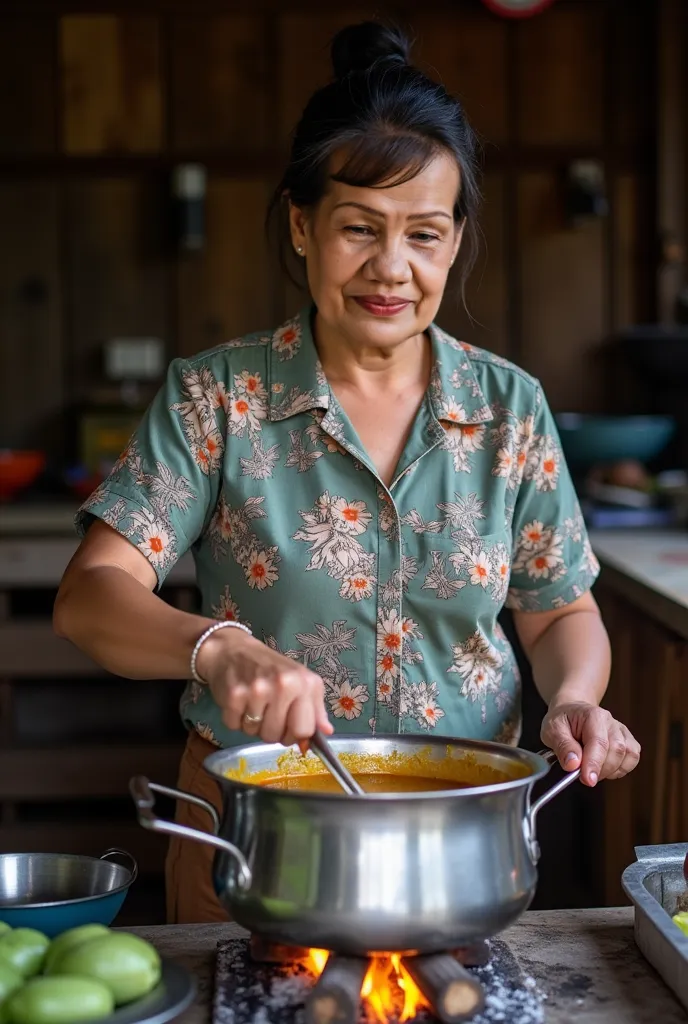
(320, 746)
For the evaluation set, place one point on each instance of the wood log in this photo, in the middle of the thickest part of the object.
(453, 995)
(336, 997)
(477, 955)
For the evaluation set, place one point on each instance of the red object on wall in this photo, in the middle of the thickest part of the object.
(517, 8)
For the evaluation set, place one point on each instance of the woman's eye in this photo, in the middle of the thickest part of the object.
(358, 229)
(425, 237)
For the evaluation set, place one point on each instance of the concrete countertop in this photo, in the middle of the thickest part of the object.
(585, 962)
(650, 569)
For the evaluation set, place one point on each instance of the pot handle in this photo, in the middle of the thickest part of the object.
(142, 792)
(570, 777)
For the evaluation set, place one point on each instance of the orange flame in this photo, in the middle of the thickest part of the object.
(317, 958)
(388, 989)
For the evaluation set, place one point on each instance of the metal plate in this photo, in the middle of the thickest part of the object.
(174, 994)
(654, 884)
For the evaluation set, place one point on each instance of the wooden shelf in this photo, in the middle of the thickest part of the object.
(244, 164)
(31, 649)
(82, 772)
(88, 838)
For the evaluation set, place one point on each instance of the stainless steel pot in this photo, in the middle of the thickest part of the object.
(408, 872)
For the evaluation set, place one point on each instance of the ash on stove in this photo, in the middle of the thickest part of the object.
(247, 992)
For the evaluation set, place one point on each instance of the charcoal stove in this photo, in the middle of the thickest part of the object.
(260, 982)
(450, 992)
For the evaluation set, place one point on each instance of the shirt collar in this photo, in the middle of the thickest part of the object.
(455, 393)
(296, 379)
(297, 383)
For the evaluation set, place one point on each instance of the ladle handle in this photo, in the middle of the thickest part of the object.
(319, 745)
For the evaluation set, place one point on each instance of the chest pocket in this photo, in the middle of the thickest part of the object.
(459, 574)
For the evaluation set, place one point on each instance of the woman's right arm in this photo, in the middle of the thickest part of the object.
(107, 607)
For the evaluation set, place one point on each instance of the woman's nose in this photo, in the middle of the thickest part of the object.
(389, 265)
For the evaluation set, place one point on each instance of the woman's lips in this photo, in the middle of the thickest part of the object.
(379, 306)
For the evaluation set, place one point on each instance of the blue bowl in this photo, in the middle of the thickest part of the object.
(53, 892)
(587, 440)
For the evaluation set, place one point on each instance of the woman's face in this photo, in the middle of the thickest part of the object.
(377, 259)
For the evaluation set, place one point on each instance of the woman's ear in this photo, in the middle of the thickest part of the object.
(457, 241)
(297, 227)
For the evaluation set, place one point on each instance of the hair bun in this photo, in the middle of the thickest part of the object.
(359, 47)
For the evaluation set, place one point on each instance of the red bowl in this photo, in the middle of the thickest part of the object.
(18, 470)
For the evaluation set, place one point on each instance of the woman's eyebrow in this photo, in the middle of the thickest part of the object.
(377, 213)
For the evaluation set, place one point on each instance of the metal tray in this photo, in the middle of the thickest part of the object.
(174, 994)
(654, 885)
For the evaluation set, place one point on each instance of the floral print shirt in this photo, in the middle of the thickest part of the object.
(391, 594)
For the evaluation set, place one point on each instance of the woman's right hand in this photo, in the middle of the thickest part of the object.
(261, 692)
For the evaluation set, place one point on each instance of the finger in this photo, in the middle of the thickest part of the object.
(322, 720)
(233, 697)
(313, 691)
(616, 752)
(300, 722)
(557, 734)
(631, 759)
(595, 737)
(259, 695)
(285, 690)
(233, 707)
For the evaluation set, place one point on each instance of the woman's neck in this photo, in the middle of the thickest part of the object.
(372, 369)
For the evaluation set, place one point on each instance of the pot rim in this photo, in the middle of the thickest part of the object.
(536, 761)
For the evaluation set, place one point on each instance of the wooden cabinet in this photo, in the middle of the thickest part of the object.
(649, 693)
(114, 98)
(71, 736)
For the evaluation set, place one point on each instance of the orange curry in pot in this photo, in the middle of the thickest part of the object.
(376, 773)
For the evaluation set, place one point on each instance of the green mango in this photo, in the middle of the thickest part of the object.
(10, 982)
(60, 1000)
(129, 966)
(68, 940)
(24, 949)
(681, 921)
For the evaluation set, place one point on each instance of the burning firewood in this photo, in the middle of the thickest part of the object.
(336, 998)
(450, 990)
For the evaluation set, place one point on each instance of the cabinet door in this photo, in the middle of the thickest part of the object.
(646, 693)
(220, 79)
(227, 291)
(28, 112)
(117, 274)
(31, 367)
(111, 85)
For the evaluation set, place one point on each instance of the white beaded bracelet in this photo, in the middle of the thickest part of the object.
(225, 624)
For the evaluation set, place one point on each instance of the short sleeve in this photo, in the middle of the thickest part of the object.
(552, 561)
(164, 487)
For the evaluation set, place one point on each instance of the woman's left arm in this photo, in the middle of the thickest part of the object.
(568, 649)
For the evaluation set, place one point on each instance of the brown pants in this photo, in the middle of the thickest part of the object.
(191, 897)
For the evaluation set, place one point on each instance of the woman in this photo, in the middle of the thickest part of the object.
(360, 492)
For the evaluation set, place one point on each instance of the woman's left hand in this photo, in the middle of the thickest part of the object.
(586, 736)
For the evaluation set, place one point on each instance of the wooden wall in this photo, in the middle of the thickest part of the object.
(99, 101)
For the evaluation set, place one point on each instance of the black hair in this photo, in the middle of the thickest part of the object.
(391, 118)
